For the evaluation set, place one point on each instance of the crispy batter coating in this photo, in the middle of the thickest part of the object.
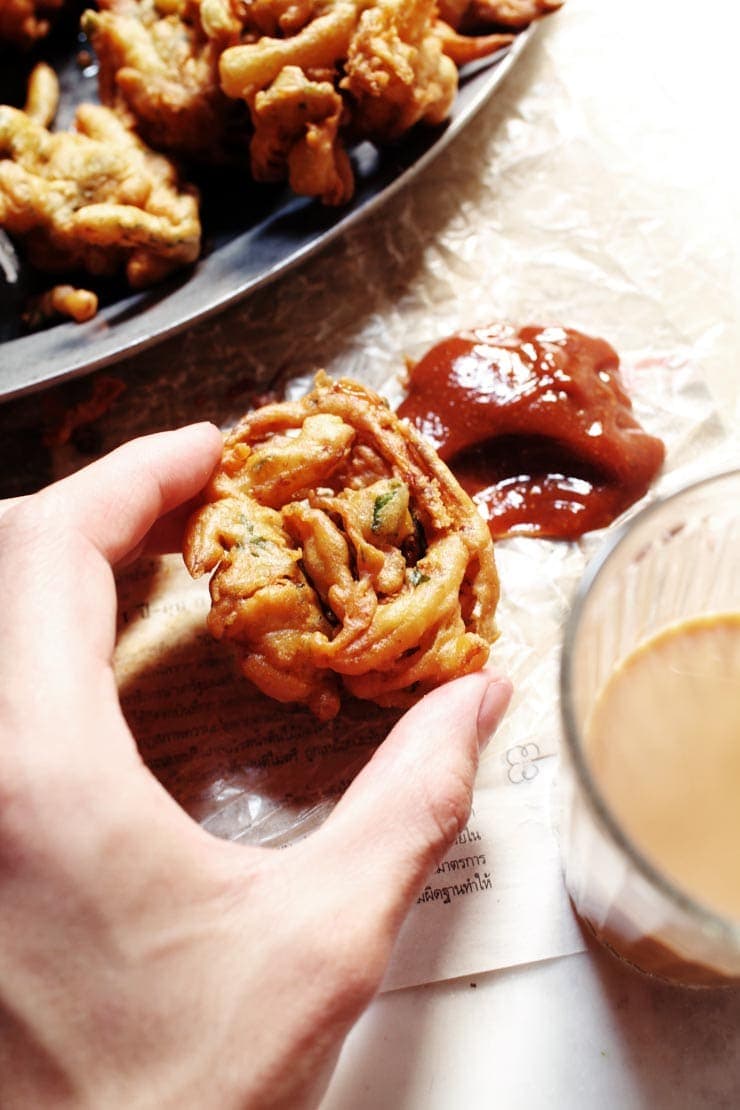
(159, 70)
(95, 199)
(397, 73)
(344, 554)
(312, 75)
(79, 305)
(297, 128)
(42, 94)
(248, 68)
(23, 22)
(288, 77)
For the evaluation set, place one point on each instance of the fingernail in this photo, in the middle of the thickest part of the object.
(492, 708)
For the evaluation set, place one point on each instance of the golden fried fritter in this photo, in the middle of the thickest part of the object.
(95, 199)
(297, 135)
(310, 76)
(159, 71)
(320, 44)
(392, 64)
(397, 73)
(313, 75)
(344, 554)
(289, 82)
(23, 22)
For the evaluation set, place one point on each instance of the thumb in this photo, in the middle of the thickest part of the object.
(409, 803)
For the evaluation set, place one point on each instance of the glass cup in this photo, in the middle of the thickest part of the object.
(676, 560)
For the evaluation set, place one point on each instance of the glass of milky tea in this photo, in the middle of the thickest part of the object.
(650, 696)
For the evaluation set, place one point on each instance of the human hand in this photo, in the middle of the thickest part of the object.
(144, 963)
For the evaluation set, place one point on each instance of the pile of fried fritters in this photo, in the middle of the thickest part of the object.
(278, 87)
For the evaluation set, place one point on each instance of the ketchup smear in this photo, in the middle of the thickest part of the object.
(536, 426)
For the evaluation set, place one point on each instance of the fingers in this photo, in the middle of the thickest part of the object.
(115, 501)
(166, 533)
(56, 586)
(337, 899)
(60, 719)
(405, 809)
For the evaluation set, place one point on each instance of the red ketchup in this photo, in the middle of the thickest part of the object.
(536, 426)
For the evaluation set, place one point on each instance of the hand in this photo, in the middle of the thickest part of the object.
(143, 963)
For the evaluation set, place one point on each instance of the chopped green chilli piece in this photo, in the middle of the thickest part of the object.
(380, 504)
(250, 539)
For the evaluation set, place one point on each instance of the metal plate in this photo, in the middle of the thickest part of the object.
(283, 231)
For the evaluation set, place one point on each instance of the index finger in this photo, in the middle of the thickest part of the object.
(115, 501)
(56, 548)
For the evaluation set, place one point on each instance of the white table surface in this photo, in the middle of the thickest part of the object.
(652, 89)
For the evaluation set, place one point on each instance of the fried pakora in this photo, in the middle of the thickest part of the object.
(397, 73)
(311, 77)
(290, 84)
(23, 22)
(344, 554)
(355, 70)
(94, 199)
(158, 70)
(286, 85)
(296, 135)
